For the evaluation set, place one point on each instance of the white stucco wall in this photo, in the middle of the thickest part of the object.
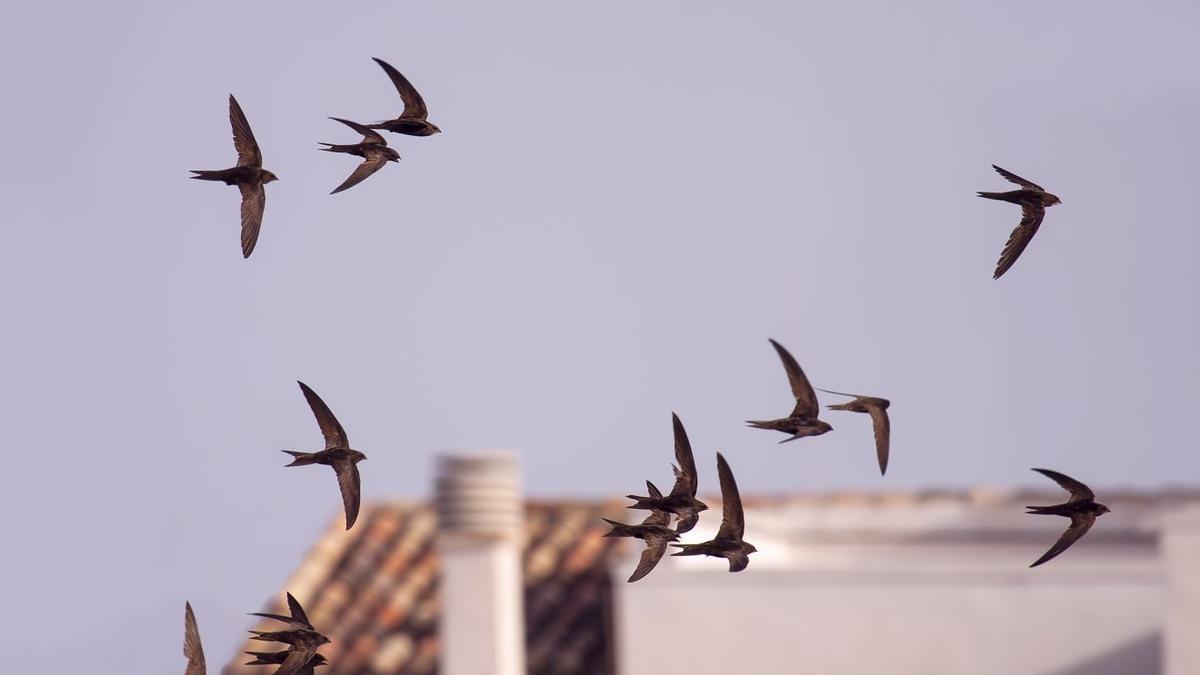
(846, 604)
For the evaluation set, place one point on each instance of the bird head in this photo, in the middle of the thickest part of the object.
(1102, 509)
(1051, 200)
(435, 128)
(392, 155)
(823, 426)
(356, 456)
(267, 177)
(750, 548)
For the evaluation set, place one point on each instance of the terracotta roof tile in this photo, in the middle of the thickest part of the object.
(373, 591)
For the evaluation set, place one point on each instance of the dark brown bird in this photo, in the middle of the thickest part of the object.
(1033, 200)
(302, 656)
(192, 649)
(298, 618)
(373, 149)
(682, 501)
(248, 175)
(413, 121)
(337, 454)
(655, 530)
(1081, 508)
(877, 409)
(277, 658)
(803, 420)
(728, 543)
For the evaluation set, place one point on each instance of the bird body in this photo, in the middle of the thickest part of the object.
(373, 149)
(1081, 508)
(1033, 200)
(248, 175)
(414, 120)
(728, 542)
(802, 422)
(337, 454)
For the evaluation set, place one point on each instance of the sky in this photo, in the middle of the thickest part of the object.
(627, 200)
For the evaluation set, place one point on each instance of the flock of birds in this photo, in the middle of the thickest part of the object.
(680, 505)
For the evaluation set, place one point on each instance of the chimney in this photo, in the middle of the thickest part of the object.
(480, 528)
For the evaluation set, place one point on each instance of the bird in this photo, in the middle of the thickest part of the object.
(337, 454)
(1033, 200)
(655, 530)
(1081, 508)
(682, 502)
(248, 175)
(803, 421)
(728, 543)
(298, 618)
(877, 409)
(192, 649)
(373, 149)
(414, 120)
(277, 658)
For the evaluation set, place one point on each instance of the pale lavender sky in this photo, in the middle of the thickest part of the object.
(629, 198)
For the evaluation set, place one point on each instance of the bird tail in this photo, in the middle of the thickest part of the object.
(1040, 510)
(644, 503)
(839, 406)
(1011, 197)
(262, 659)
(760, 424)
(205, 174)
(301, 458)
(687, 549)
(618, 529)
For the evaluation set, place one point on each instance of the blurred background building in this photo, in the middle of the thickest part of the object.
(924, 583)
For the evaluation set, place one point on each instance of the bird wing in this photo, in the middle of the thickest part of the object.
(738, 561)
(653, 491)
(331, 429)
(243, 138)
(1031, 220)
(192, 648)
(806, 398)
(297, 611)
(368, 167)
(1080, 524)
(883, 434)
(687, 522)
(733, 522)
(655, 548)
(685, 469)
(348, 482)
(298, 656)
(1014, 178)
(657, 517)
(1079, 491)
(369, 135)
(414, 105)
(254, 201)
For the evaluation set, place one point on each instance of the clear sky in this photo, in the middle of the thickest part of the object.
(629, 198)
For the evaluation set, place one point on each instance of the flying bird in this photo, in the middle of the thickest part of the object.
(655, 530)
(1033, 200)
(192, 648)
(302, 656)
(248, 175)
(277, 658)
(1081, 508)
(373, 149)
(728, 543)
(413, 121)
(877, 409)
(682, 501)
(803, 420)
(337, 454)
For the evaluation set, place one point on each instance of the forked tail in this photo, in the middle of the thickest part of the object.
(301, 458)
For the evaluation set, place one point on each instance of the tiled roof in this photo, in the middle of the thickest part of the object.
(373, 591)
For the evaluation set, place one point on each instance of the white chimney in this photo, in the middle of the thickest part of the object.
(480, 528)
